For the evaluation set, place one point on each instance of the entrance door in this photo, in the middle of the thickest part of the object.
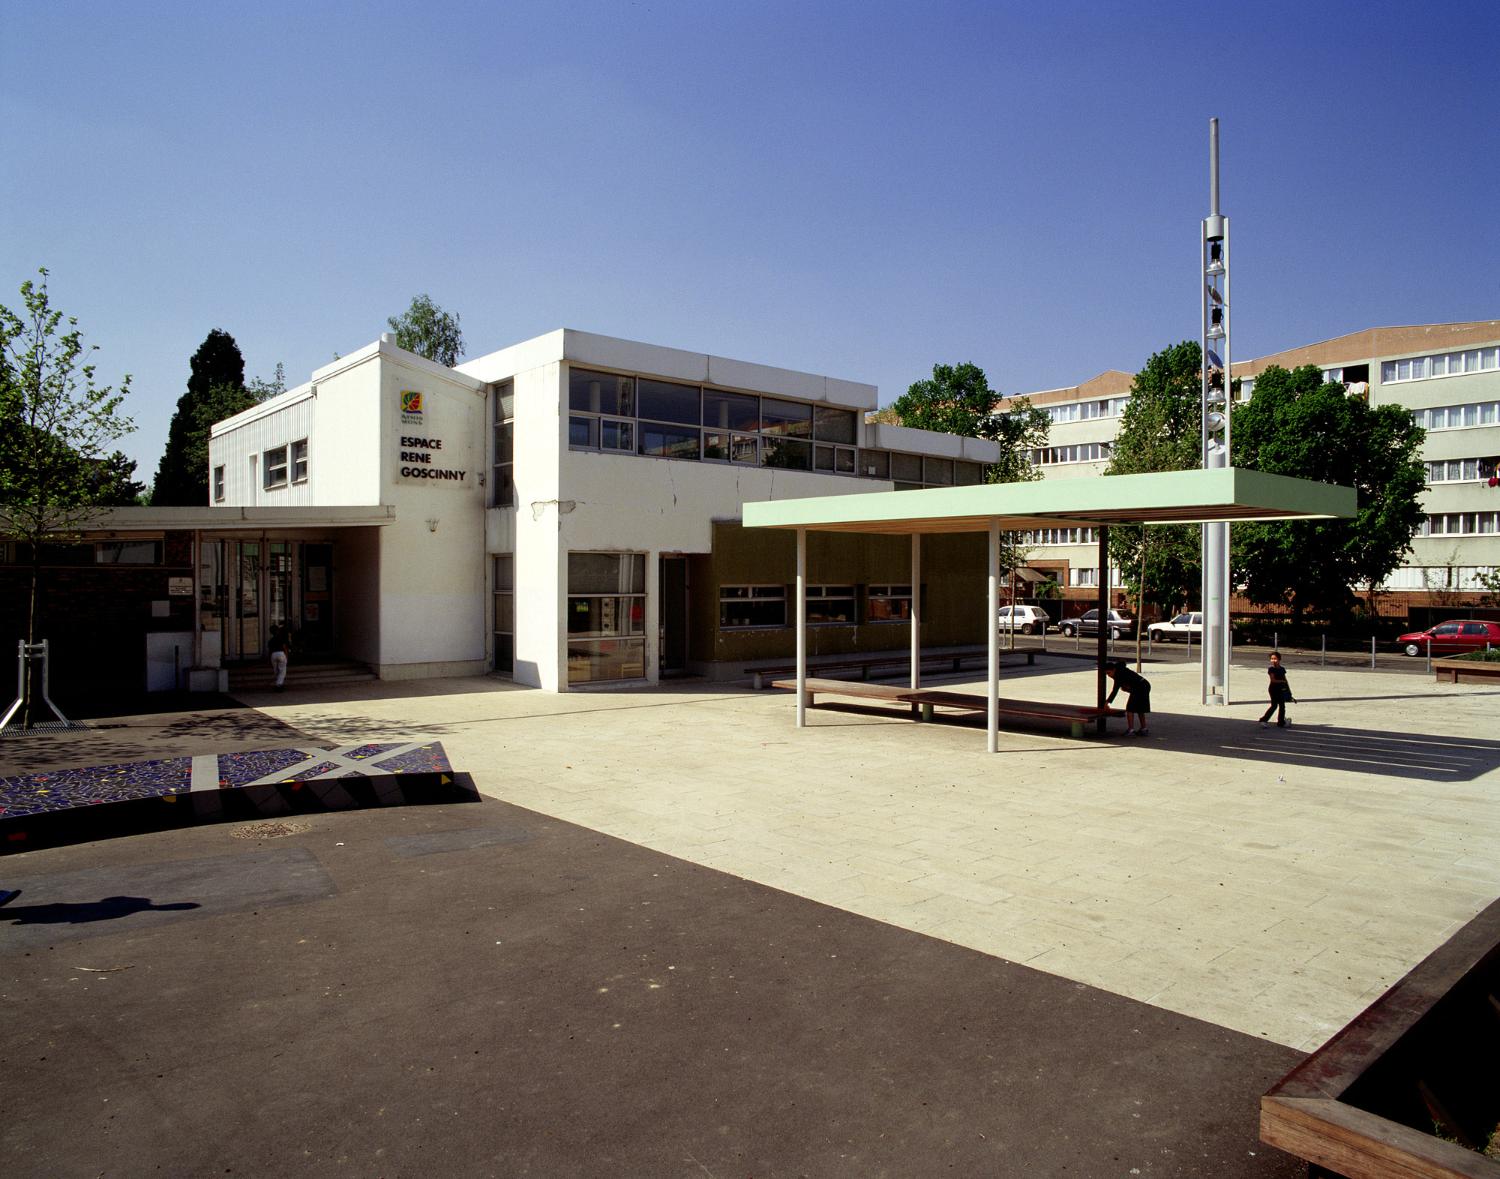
(247, 641)
(672, 586)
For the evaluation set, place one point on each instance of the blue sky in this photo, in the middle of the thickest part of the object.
(857, 189)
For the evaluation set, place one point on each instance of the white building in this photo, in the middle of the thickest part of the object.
(1447, 375)
(565, 510)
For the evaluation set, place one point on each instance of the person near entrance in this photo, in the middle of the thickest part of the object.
(1137, 697)
(280, 646)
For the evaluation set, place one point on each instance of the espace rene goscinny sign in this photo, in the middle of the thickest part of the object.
(421, 454)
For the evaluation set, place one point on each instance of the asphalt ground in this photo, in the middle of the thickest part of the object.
(484, 990)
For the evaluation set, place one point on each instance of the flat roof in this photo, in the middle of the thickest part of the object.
(1168, 497)
(238, 519)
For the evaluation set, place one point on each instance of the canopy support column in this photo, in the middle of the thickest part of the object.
(992, 625)
(1104, 627)
(801, 608)
(916, 610)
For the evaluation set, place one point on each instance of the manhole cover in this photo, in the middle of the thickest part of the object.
(270, 830)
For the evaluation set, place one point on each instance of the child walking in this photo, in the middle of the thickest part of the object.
(1280, 690)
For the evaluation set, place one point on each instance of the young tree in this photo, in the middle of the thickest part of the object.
(215, 390)
(428, 330)
(1160, 431)
(56, 424)
(1298, 424)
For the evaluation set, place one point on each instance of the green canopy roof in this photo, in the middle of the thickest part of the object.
(1168, 497)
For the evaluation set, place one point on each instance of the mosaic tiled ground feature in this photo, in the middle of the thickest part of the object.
(73, 804)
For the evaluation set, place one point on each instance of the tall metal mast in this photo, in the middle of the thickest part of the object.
(1214, 258)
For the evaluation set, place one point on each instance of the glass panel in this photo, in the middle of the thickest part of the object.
(843, 460)
(833, 425)
(790, 453)
(1487, 413)
(128, 552)
(790, 418)
(1471, 415)
(906, 468)
(606, 573)
(761, 605)
(591, 392)
(665, 402)
(617, 435)
(939, 471)
(731, 411)
(605, 616)
(1471, 362)
(505, 401)
(875, 464)
(582, 432)
(505, 440)
(669, 441)
(745, 448)
(823, 458)
(505, 612)
(967, 474)
(604, 660)
(299, 461)
(505, 571)
(715, 446)
(738, 448)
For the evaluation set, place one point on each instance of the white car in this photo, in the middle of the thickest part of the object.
(1029, 620)
(1184, 627)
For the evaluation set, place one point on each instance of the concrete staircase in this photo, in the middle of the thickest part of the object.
(302, 673)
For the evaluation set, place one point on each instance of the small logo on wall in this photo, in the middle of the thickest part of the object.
(411, 406)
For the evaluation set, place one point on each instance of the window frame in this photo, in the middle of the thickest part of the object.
(270, 466)
(755, 592)
(299, 461)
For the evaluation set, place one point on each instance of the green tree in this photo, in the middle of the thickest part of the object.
(1160, 431)
(1298, 424)
(215, 390)
(56, 425)
(428, 330)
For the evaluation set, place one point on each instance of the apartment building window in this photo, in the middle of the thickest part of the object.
(1457, 417)
(888, 603)
(745, 607)
(1083, 452)
(503, 422)
(1045, 536)
(1083, 577)
(606, 617)
(219, 484)
(1446, 364)
(1460, 524)
(830, 605)
(299, 461)
(1460, 470)
(274, 467)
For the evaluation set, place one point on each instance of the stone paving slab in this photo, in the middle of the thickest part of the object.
(1214, 870)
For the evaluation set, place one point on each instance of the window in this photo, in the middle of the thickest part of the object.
(790, 418)
(834, 425)
(127, 552)
(888, 603)
(218, 484)
(731, 411)
(676, 442)
(505, 613)
(1449, 364)
(502, 490)
(830, 605)
(791, 453)
(608, 393)
(299, 461)
(906, 469)
(273, 468)
(606, 617)
(744, 606)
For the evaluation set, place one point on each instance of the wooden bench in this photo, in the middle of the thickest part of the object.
(923, 702)
(1452, 669)
(864, 664)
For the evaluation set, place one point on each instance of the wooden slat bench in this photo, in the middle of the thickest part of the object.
(864, 664)
(923, 701)
(1456, 670)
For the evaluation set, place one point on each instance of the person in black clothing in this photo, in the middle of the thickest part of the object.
(1137, 697)
(280, 646)
(1281, 692)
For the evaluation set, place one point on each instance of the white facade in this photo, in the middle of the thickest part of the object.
(426, 601)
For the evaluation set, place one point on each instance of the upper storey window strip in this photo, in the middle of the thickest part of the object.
(1444, 364)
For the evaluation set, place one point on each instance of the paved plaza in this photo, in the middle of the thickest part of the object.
(1273, 882)
(681, 936)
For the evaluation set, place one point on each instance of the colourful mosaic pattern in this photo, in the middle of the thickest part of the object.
(35, 794)
(62, 790)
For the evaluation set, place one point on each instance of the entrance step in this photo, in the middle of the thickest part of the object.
(258, 677)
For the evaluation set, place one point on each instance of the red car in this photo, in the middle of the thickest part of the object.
(1451, 638)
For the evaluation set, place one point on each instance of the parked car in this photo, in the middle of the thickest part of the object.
(1029, 620)
(1185, 626)
(1452, 638)
(1088, 624)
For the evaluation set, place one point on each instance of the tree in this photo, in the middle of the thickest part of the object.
(215, 390)
(56, 424)
(1297, 424)
(1160, 431)
(428, 330)
(957, 399)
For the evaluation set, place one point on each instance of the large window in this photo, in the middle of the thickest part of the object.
(1456, 417)
(299, 461)
(830, 605)
(274, 468)
(127, 552)
(1447, 364)
(505, 613)
(504, 421)
(606, 617)
(742, 607)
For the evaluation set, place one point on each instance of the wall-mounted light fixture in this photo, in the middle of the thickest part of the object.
(432, 524)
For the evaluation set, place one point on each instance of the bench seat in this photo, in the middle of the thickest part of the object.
(923, 702)
(864, 664)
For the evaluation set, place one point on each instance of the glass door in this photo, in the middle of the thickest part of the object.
(246, 639)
